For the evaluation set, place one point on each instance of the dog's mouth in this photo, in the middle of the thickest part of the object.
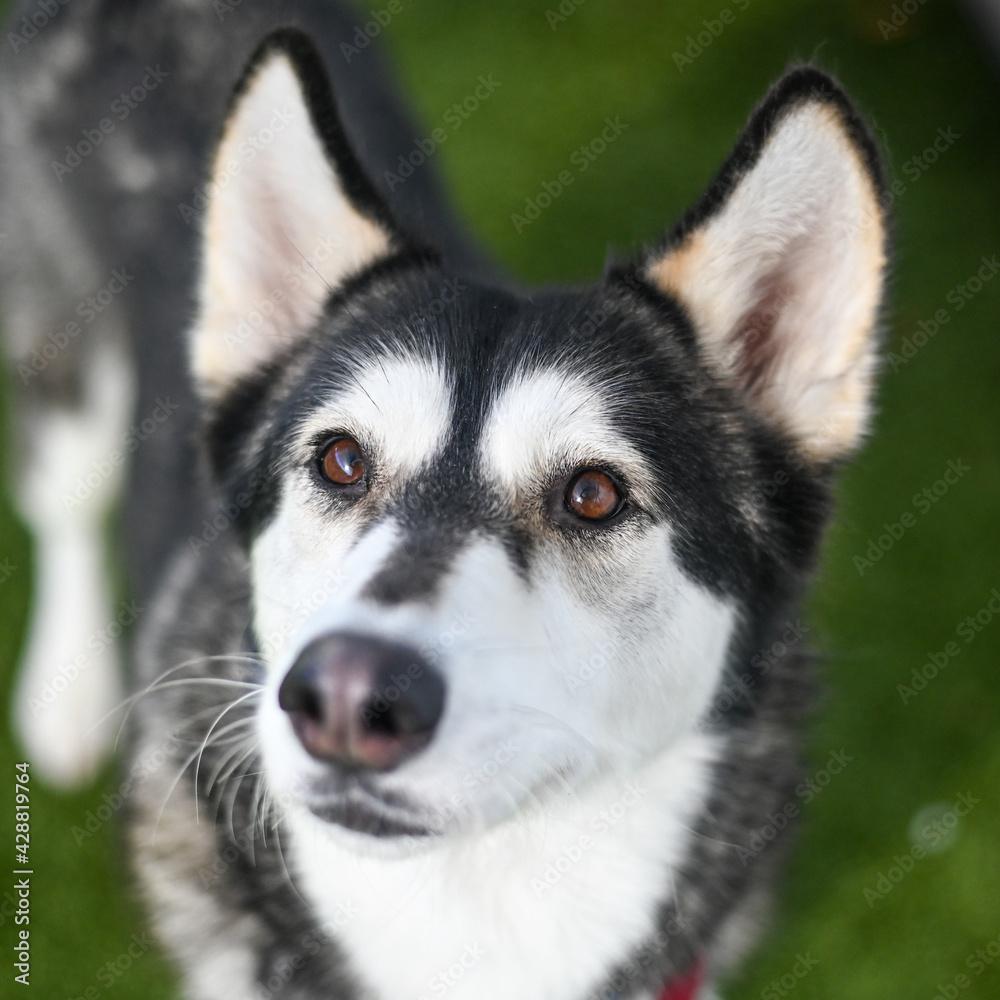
(356, 807)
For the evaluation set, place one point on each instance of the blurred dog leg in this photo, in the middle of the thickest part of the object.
(73, 459)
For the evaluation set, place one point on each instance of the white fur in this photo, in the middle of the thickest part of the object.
(61, 700)
(407, 920)
(541, 414)
(805, 224)
(557, 699)
(279, 232)
(398, 409)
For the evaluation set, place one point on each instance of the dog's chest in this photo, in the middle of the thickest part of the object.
(542, 908)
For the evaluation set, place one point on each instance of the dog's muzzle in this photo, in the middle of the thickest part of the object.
(362, 703)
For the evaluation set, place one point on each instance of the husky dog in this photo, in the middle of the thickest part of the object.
(469, 660)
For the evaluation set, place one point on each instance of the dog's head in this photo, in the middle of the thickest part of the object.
(503, 544)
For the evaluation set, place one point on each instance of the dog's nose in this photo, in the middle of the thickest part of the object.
(361, 702)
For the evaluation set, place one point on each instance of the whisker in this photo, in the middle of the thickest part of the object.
(259, 795)
(240, 749)
(281, 857)
(213, 777)
(247, 759)
(234, 704)
(187, 763)
(159, 685)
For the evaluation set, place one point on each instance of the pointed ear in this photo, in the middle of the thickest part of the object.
(290, 215)
(780, 266)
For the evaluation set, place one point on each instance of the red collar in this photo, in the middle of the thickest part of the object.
(685, 987)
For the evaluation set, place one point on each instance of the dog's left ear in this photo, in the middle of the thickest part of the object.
(291, 215)
(780, 266)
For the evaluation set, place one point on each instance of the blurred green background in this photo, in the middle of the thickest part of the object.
(558, 79)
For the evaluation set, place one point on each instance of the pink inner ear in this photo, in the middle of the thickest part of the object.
(752, 348)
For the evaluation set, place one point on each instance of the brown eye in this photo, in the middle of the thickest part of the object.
(342, 462)
(593, 495)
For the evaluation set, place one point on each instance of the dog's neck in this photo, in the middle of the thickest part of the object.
(569, 893)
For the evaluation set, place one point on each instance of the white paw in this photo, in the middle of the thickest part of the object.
(64, 708)
(69, 680)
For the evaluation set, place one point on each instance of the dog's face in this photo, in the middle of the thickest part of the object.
(507, 516)
(501, 545)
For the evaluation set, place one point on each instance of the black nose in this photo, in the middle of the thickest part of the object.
(362, 702)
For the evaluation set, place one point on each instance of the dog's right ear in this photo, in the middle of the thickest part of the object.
(291, 215)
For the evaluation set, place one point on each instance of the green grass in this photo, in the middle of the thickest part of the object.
(615, 59)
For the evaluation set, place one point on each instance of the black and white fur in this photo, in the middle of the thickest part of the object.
(720, 377)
